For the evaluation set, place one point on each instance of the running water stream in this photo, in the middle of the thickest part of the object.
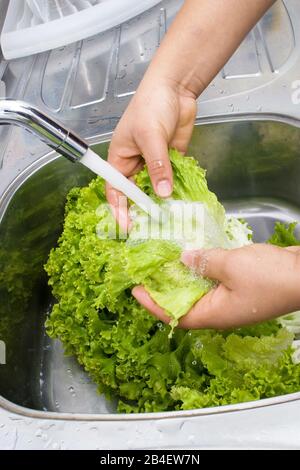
(102, 168)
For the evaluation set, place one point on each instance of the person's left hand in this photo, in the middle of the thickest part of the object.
(256, 283)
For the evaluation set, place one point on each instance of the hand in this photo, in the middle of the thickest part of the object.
(161, 115)
(256, 283)
(197, 45)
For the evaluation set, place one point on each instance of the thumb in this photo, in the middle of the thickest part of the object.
(154, 148)
(207, 263)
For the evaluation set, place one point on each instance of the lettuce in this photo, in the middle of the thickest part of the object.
(291, 322)
(284, 235)
(127, 352)
(241, 369)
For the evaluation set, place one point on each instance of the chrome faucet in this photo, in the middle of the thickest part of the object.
(50, 131)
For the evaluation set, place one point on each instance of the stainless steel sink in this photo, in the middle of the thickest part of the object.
(46, 400)
(254, 166)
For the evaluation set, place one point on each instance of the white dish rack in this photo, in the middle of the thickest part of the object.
(33, 26)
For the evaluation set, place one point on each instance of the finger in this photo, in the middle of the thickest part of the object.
(183, 134)
(118, 204)
(180, 146)
(200, 315)
(204, 314)
(293, 249)
(182, 139)
(207, 263)
(142, 296)
(155, 152)
(128, 165)
(214, 310)
(117, 201)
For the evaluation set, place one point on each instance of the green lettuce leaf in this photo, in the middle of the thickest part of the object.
(284, 235)
(291, 322)
(126, 351)
(241, 369)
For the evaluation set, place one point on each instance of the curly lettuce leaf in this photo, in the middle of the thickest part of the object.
(126, 351)
(241, 369)
(189, 184)
(284, 235)
(291, 322)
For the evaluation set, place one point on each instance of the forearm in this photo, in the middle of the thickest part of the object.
(201, 39)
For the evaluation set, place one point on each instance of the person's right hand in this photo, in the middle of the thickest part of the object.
(255, 283)
(160, 115)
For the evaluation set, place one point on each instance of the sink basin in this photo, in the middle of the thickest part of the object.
(254, 168)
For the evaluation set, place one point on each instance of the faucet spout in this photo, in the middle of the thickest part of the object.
(49, 130)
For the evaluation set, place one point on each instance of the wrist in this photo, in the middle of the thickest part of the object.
(188, 86)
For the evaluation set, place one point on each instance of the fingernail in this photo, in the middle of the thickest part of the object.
(188, 258)
(164, 188)
(135, 291)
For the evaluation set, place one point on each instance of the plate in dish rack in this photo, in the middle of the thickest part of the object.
(32, 26)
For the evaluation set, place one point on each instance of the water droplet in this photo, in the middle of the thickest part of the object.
(72, 391)
(194, 363)
(190, 333)
(122, 74)
(198, 345)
